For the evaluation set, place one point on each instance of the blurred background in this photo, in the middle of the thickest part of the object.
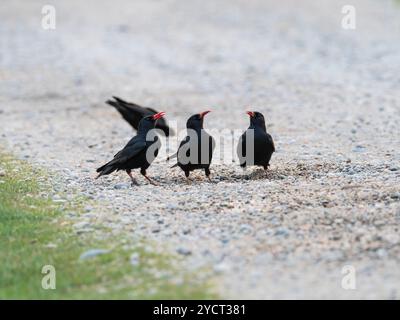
(294, 61)
(330, 96)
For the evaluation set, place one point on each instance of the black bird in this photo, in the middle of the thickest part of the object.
(195, 151)
(135, 154)
(262, 142)
(133, 113)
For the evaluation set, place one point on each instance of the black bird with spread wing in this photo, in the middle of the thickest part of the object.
(140, 151)
(196, 150)
(255, 146)
(133, 113)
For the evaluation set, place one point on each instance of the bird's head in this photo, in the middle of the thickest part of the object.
(256, 119)
(149, 121)
(196, 121)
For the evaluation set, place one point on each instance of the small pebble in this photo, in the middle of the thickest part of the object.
(183, 251)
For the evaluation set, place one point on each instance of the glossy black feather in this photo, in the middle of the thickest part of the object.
(134, 154)
(199, 140)
(263, 143)
(133, 113)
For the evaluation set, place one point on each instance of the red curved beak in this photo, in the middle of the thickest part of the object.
(250, 113)
(202, 114)
(158, 115)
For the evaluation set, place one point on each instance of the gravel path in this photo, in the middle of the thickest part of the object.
(332, 104)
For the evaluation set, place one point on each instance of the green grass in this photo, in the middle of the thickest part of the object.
(34, 233)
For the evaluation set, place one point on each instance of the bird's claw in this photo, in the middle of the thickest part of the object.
(151, 181)
(210, 180)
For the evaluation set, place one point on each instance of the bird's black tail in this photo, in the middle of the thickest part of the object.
(120, 100)
(126, 109)
(106, 169)
(117, 103)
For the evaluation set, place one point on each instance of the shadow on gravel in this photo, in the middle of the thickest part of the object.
(348, 175)
(285, 171)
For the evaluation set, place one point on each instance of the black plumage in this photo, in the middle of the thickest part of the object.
(133, 113)
(196, 150)
(259, 149)
(137, 153)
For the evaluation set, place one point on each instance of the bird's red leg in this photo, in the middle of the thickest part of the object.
(188, 180)
(150, 180)
(143, 172)
(207, 171)
(134, 182)
(266, 170)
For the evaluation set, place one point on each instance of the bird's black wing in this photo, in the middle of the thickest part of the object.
(151, 110)
(131, 150)
(241, 149)
(271, 142)
(135, 107)
(131, 112)
(211, 147)
(134, 140)
(212, 144)
(175, 155)
(139, 112)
